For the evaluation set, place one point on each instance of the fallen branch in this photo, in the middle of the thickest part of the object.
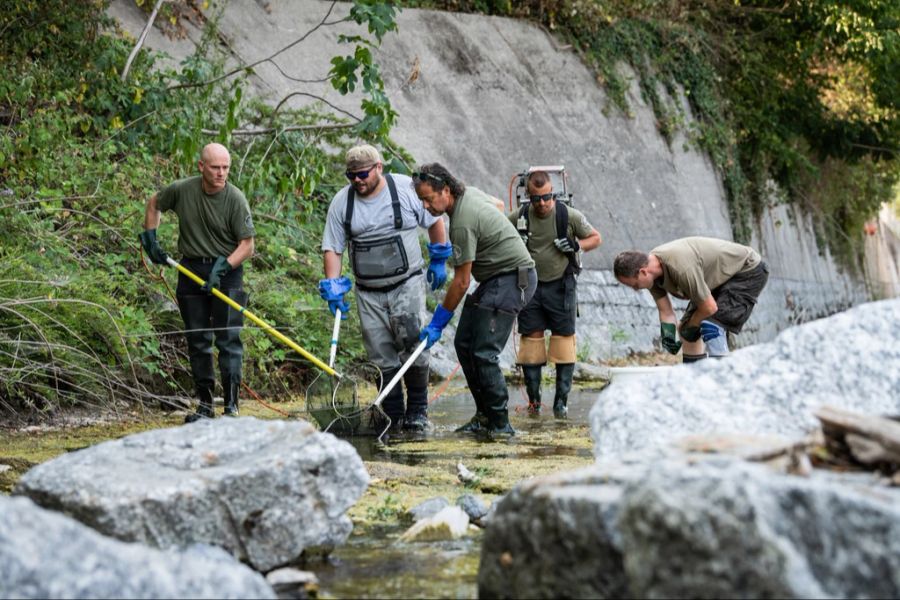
(279, 130)
(140, 42)
(871, 439)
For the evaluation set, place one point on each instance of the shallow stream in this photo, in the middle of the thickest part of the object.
(407, 471)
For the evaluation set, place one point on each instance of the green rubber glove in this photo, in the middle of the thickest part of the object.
(152, 248)
(690, 333)
(669, 336)
(220, 269)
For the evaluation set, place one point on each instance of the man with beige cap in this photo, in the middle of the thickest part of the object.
(215, 237)
(377, 217)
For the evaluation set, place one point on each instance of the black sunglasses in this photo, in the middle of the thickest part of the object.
(420, 177)
(542, 198)
(351, 175)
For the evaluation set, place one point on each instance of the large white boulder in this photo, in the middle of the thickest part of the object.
(264, 490)
(44, 554)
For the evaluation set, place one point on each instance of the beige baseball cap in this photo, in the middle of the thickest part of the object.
(360, 157)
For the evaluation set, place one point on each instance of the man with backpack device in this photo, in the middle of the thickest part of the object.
(554, 234)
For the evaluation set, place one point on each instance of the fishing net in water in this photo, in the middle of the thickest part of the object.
(333, 403)
(344, 406)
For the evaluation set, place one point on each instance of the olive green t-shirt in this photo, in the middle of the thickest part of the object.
(481, 234)
(694, 266)
(208, 226)
(549, 261)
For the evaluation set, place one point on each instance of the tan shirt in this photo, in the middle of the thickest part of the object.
(694, 266)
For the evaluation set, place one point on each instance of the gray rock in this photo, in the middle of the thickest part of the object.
(473, 506)
(450, 523)
(724, 528)
(428, 509)
(704, 527)
(591, 373)
(850, 360)
(263, 490)
(293, 584)
(556, 537)
(44, 554)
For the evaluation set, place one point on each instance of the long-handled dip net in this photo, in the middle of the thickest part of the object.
(341, 390)
(330, 403)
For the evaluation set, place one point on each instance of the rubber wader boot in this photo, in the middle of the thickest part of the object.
(196, 312)
(476, 424)
(463, 344)
(532, 376)
(392, 404)
(416, 418)
(692, 358)
(489, 339)
(230, 388)
(205, 409)
(563, 387)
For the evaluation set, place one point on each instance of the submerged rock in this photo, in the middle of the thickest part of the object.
(449, 524)
(263, 490)
(427, 509)
(473, 506)
(850, 360)
(44, 554)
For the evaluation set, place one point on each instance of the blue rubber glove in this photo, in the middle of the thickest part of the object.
(152, 247)
(437, 269)
(332, 291)
(220, 269)
(432, 331)
(710, 331)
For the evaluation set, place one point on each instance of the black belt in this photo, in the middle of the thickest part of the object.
(204, 260)
(387, 288)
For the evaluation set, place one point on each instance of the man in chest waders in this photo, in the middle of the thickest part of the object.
(486, 247)
(377, 217)
(215, 237)
(721, 279)
(554, 235)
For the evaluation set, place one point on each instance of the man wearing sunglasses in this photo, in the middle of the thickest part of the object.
(554, 235)
(377, 217)
(487, 248)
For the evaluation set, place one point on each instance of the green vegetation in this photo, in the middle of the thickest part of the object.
(803, 93)
(83, 320)
(800, 93)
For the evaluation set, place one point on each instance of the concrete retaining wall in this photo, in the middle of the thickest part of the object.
(488, 97)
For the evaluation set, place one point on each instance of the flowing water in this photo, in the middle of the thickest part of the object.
(407, 470)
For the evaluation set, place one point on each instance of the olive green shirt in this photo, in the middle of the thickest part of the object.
(208, 226)
(549, 261)
(481, 234)
(694, 266)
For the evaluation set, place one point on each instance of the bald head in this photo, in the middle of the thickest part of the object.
(214, 165)
(214, 151)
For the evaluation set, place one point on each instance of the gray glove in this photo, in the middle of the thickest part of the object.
(567, 245)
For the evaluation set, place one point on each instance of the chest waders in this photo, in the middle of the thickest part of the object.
(376, 260)
(382, 265)
(206, 319)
